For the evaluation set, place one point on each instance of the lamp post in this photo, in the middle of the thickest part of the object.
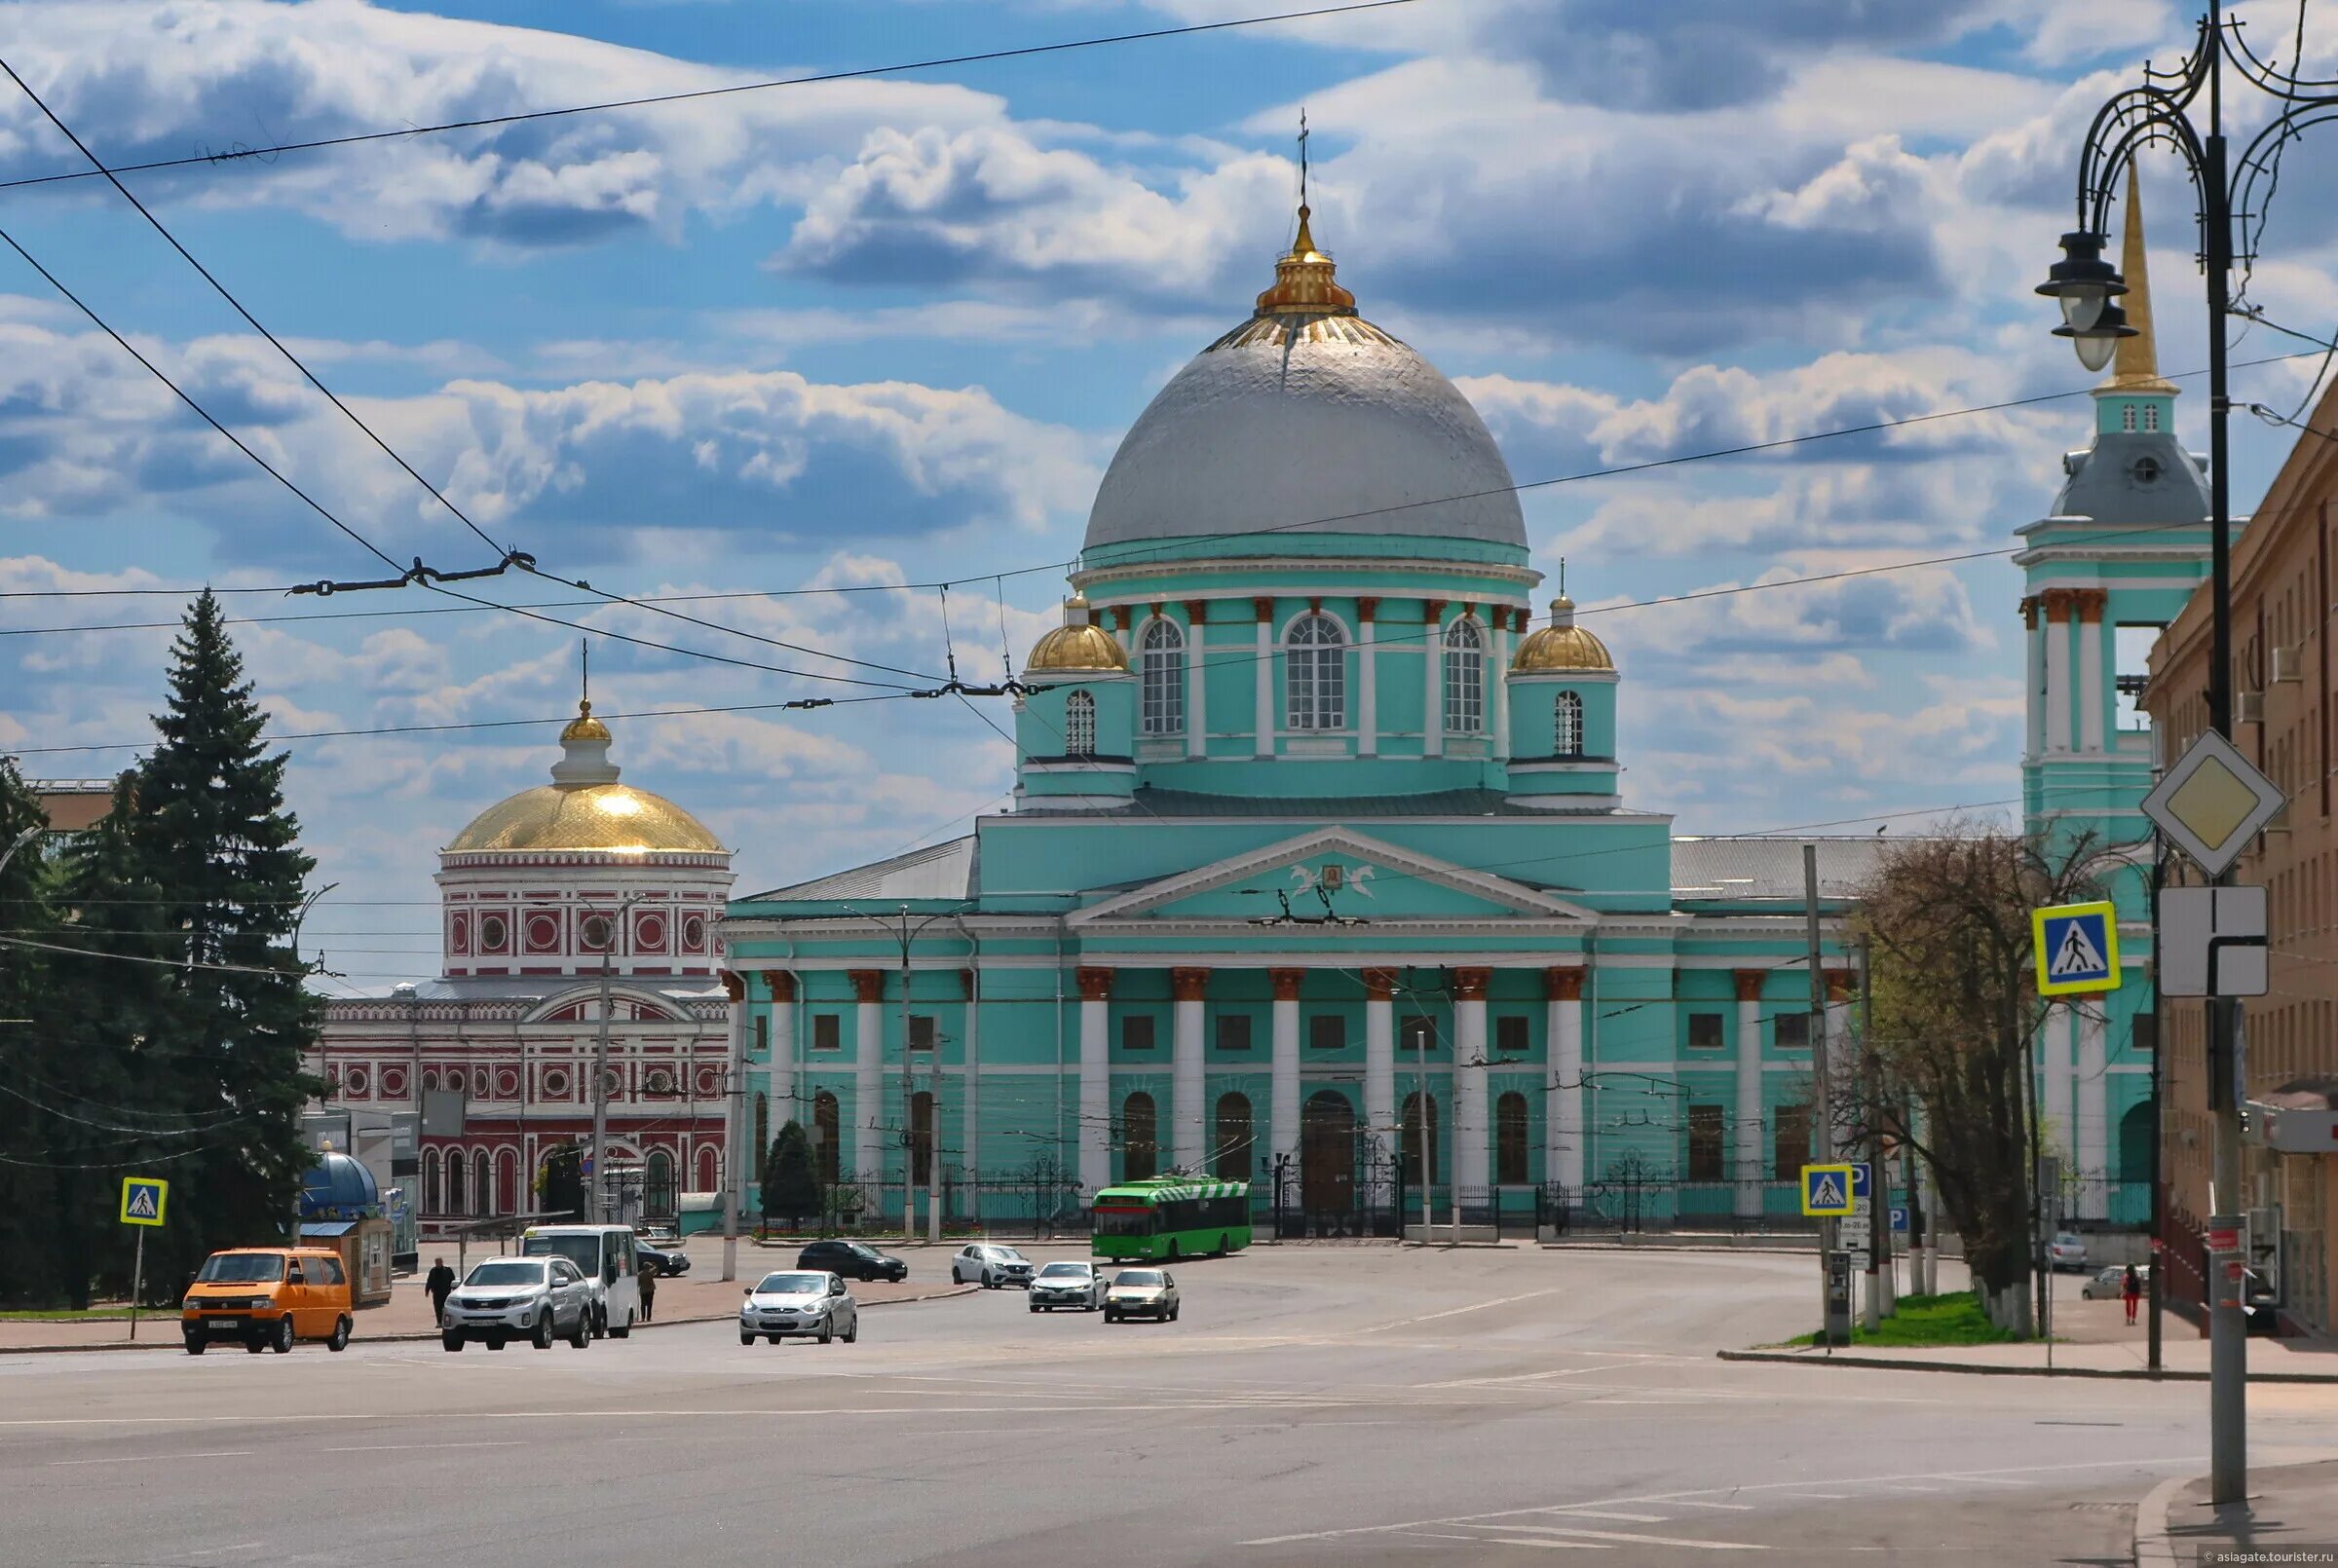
(2183, 110)
(595, 1180)
(906, 932)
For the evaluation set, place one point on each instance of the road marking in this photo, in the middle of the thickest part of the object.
(153, 1459)
(1530, 1541)
(1902, 1486)
(1689, 1401)
(1777, 1489)
(1629, 1537)
(1692, 1503)
(1455, 1312)
(1605, 1513)
(399, 1447)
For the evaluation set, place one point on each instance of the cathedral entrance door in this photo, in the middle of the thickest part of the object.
(1327, 1154)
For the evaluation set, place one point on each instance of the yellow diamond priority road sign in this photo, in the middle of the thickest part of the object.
(2212, 802)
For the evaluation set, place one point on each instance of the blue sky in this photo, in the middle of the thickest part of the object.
(890, 330)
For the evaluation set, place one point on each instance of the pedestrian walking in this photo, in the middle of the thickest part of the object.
(649, 1291)
(2131, 1291)
(436, 1285)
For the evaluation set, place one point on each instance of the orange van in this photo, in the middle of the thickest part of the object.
(267, 1298)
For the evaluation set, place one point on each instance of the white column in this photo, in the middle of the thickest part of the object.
(1367, 680)
(2054, 1113)
(868, 1089)
(1263, 671)
(1197, 685)
(1432, 682)
(1095, 1080)
(1746, 1136)
(1379, 1070)
(780, 1070)
(1472, 1170)
(2092, 1143)
(1282, 1116)
(2092, 702)
(1188, 1136)
(969, 1093)
(1497, 685)
(2057, 671)
(2036, 637)
(1564, 1024)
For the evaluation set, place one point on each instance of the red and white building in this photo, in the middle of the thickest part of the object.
(536, 894)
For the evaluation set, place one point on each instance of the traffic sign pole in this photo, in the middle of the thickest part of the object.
(138, 1281)
(1834, 1324)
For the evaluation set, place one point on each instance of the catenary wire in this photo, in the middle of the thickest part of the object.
(938, 63)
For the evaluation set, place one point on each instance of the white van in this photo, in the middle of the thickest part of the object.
(604, 1255)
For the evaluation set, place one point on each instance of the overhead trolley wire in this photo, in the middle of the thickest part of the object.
(860, 73)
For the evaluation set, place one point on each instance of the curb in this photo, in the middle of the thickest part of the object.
(172, 1343)
(1895, 1363)
(2153, 1549)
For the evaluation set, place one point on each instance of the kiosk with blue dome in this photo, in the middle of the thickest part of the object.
(341, 1207)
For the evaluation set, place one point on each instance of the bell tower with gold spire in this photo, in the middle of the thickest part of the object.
(2114, 561)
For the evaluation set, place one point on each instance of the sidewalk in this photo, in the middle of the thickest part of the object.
(2288, 1505)
(406, 1315)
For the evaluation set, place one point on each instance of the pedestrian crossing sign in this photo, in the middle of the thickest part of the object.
(1827, 1189)
(143, 1198)
(2077, 947)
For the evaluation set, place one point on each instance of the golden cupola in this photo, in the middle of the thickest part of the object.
(1305, 282)
(585, 808)
(1561, 646)
(1076, 647)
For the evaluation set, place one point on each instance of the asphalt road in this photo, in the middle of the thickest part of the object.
(1338, 1404)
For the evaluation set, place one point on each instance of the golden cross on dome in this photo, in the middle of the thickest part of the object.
(1303, 156)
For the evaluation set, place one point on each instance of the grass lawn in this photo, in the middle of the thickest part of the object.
(69, 1315)
(1953, 1319)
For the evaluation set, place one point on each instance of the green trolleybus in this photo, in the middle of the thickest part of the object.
(1163, 1218)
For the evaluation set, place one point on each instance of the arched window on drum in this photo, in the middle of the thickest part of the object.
(1079, 725)
(1464, 678)
(1161, 656)
(1315, 674)
(1566, 724)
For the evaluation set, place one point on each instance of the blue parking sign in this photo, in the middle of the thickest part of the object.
(1863, 1182)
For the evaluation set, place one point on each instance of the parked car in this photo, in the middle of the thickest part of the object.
(1141, 1293)
(981, 1263)
(1068, 1285)
(508, 1298)
(2065, 1252)
(855, 1260)
(667, 1265)
(2109, 1284)
(267, 1298)
(805, 1304)
(659, 1234)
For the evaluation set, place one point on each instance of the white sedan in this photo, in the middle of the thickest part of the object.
(799, 1305)
(1068, 1285)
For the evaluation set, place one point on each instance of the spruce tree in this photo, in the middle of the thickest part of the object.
(212, 831)
(28, 1215)
(110, 1028)
(790, 1189)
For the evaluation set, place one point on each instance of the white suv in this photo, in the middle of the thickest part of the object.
(508, 1298)
(981, 1263)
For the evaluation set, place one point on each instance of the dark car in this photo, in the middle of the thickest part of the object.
(667, 1265)
(854, 1261)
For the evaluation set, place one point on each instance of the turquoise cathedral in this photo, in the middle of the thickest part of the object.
(1319, 834)
(2126, 546)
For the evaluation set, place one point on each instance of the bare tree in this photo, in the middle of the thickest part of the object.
(1956, 1013)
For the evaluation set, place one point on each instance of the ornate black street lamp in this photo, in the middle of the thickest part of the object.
(2168, 110)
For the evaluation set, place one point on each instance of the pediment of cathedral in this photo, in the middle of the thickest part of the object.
(1329, 877)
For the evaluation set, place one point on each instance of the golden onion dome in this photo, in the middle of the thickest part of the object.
(1077, 646)
(584, 726)
(1305, 280)
(1561, 646)
(585, 808)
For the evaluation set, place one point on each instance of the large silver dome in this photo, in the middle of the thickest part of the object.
(1305, 420)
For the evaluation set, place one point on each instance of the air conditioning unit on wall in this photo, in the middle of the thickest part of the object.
(2248, 708)
(2289, 664)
